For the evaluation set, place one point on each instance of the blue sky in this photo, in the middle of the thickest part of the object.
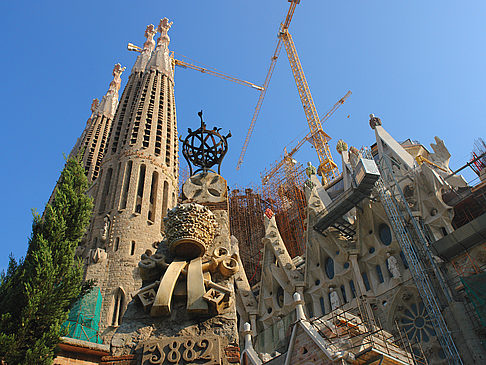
(419, 65)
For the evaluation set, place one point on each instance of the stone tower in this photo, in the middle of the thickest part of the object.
(95, 135)
(138, 179)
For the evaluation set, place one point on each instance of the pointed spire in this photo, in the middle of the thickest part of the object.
(160, 59)
(146, 52)
(110, 99)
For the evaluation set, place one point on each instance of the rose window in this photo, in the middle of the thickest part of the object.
(416, 323)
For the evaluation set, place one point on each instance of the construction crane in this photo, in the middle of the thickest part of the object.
(273, 62)
(214, 72)
(327, 168)
(311, 136)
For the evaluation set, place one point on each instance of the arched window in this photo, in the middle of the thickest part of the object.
(353, 289)
(329, 267)
(343, 292)
(106, 190)
(380, 274)
(141, 183)
(117, 244)
(153, 196)
(323, 307)
(366, 281)
(118, 304)
(126, 185)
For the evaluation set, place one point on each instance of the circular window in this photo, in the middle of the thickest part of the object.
(346, 265)
(416, 323)
(371, 250)
(330, 268)
(385, 234)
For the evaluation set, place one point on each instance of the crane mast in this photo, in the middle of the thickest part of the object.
(327, 167)
(273, 62)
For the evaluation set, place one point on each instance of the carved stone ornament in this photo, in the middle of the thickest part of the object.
(190, 229)
(208, 187)
(374, 121)
(204, 296)
(341, 146)
(97, 255)
(182, 350)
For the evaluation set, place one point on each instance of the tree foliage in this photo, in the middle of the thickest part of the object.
(37, 292)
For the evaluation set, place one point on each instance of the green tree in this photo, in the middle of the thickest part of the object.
(36, 293)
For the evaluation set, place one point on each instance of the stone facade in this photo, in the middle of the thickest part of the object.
(171, 318)
(138, 180)
(357, 262)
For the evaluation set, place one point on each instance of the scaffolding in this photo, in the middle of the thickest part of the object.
(351, 330)
(246, 224)
(283, 194)
(84, 318)
(415, 247)
(284, 191)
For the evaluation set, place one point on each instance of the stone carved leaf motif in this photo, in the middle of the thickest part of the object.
(208, 187)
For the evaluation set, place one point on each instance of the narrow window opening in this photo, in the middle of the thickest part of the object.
(112, 202)
(106, 190)
(153, 196)
(132, 248)
(165, 197)
(353, 288)
(141, 182)
(380, 274)
(366, 281)
(117, 244)
(343, 292)
(117, 308)
(444, 231)
(323, 307)
(126, 185)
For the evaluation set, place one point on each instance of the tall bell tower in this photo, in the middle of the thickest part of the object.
(138, 180)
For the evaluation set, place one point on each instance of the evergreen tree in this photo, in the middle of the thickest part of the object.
(37, 293)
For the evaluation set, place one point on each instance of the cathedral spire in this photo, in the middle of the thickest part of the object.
(147, 49)
(160, 59)
(109, 103)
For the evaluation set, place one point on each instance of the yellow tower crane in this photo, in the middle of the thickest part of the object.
(327, 167)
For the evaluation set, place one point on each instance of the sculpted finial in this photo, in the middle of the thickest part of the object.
(94, 104)
(163, 28)
(116, 82)
(149, 44)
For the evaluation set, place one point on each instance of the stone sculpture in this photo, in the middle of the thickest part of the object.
(392, 264)
(190, 229)
(334, 299)
(310, 170)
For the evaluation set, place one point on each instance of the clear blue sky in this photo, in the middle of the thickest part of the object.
(419, 65)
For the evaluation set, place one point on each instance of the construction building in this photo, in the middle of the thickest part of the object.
(382, 262)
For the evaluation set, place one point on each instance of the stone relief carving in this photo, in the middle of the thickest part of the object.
(208, 187)
(182, 350)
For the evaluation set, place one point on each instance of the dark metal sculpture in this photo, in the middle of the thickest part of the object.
(204, 148)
